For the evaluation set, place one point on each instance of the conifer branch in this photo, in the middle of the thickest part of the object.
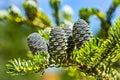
(18, 66)
(93, 58)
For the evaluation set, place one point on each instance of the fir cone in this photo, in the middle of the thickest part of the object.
(81, 33)
(36, 43)
(70, 46)
(57, 42)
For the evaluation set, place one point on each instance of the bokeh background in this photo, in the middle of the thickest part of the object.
(15, 25)
(44, 5)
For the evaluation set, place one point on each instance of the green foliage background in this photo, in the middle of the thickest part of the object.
(14, 30)
(12, 44)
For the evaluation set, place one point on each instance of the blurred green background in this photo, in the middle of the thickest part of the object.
(21, 17)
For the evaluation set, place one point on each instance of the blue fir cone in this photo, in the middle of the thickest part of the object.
(70, 46)
(57, 41)
(81, 32)
(36, 43)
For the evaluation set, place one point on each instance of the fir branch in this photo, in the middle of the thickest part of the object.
(93, 58)
(111, 46)
(57, 16)
(18, 66)
(55, 4)
(110, 11)
(100, 73)
(106, 23)
(108, 47)
(45, 33)
(89, 53)
(105, 50)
